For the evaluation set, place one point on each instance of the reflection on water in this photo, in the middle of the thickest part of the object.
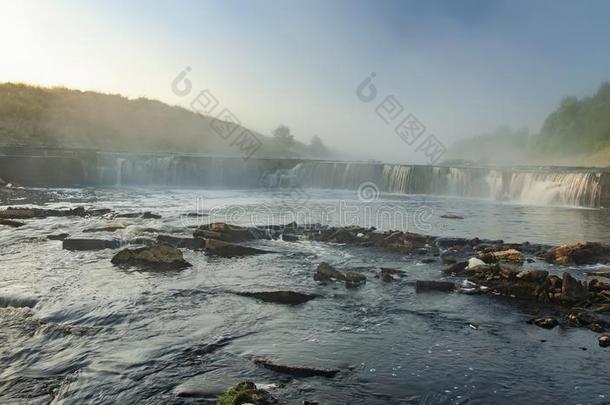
(144, 337)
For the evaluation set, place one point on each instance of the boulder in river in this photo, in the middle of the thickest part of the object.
(107, 228)
(389, 275)
(280, 297)
(245, 392)
(150, 215)
(511, 256)
(545, 322)
(225, 232)
(58, 236)
(326, 272)
(184, 243)
(220, 248)
(604, 340)
(28, 213)
(598, 286)
(89, 244)
(296, 371)
(11, 223)
(451, 216)
(572, 290)
(353, 279)
(434, 285)
(162, 256)
(578, 253)
(538, 276)
(475, 263)
(456, 268)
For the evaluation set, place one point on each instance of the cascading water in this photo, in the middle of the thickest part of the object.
(539, 188)
(572, 189)
(530, 187)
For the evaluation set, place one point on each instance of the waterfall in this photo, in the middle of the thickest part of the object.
(534, 186)
(572, 189)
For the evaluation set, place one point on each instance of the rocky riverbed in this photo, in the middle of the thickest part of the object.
(143, 304)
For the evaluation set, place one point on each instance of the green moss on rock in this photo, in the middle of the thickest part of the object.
(245, 393)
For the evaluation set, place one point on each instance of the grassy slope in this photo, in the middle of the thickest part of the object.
(72, 118)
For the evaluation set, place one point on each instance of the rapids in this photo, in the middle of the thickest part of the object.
(101, 334)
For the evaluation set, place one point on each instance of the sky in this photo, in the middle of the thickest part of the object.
(460, 67)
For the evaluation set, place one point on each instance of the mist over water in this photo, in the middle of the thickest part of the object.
(344, 203)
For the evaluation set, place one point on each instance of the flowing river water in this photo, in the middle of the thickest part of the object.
(101, 334)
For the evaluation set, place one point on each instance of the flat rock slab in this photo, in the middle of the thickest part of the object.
(58, 236)
(433, 285)
(297, 371)
(184, 243)
(225, 249)
(225, 232)
(11, 223)
(89, 244)
(27, 213)
(280, 297)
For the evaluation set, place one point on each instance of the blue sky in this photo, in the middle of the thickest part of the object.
(462, 67)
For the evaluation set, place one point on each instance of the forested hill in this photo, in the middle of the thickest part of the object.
(71, 118)
(578, 127)
(576, 133)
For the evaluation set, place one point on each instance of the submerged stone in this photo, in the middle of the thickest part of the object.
(89, 244)
(297, 371)
(58, 236)
(434, 285)
(389, 275)
(11, 223)
(546, 323)
(185, 243)
(280, 297)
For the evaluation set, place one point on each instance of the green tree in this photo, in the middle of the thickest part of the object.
(283, 139)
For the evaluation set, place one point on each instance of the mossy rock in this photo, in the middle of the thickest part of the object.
(245, 393)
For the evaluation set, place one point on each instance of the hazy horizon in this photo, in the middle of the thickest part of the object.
(461, 69)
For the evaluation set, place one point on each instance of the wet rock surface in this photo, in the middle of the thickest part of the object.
(389, 275)
(89, 244)
(158, 256)
(434, 285)
(546, 323)
(326, 272)
(183, 243)
(280, 297)
(58, 236)
(227, 233)
(246, 392)
(578, 253)
(220, 248)
(296, 371)
(11, 223)
(29, 213)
